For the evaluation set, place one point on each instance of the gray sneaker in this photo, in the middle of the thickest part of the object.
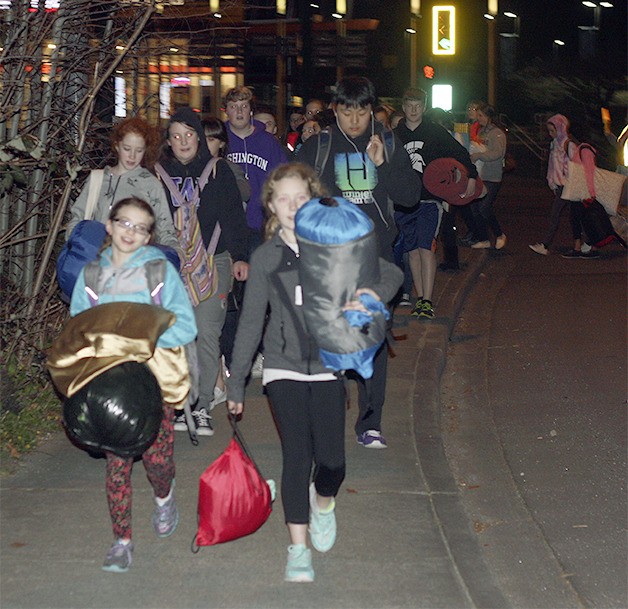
(166, 517)
(119, 557)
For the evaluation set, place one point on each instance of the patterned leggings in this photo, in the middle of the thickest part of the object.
(159, 465)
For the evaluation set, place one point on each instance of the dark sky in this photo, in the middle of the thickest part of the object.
(541, 22)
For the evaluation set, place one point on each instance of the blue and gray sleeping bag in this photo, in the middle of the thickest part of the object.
(338, 254)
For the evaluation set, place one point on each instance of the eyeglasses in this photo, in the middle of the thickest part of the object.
(140, 229)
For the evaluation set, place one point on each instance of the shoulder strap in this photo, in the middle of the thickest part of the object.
(389, 144)
(95, 182)
(168, 181)
(210, 168)
(323, 147)
(155, 274)
(92, 273)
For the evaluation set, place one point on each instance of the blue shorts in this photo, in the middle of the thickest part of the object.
(419, 227)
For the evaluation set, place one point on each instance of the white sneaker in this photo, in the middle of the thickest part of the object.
(258, 367)
(586, 248)
(539, 248)
(481, 245)
(500, 242)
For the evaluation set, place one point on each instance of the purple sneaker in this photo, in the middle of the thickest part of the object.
(166, 517)
(372, 438)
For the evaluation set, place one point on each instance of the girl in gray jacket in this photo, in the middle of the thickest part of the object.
(134, 142)
(307, 399)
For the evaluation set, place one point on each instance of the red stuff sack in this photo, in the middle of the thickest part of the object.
(234, 500)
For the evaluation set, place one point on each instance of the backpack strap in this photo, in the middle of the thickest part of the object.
(92, 273)
(389, 144)
(323, 146)
(95, 184)
(155, 274)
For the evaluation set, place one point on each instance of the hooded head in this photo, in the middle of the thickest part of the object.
(186, 116)
(561, 125)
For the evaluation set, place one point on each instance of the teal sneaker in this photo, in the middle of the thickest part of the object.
(322, 524)
(119, 557)
(299, 566)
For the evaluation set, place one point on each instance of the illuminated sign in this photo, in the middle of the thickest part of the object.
(443, 30)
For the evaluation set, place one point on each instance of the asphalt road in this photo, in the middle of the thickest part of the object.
(534, 414)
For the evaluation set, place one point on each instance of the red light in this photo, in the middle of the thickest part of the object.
(428, 71)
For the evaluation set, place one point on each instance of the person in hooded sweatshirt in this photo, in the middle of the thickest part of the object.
(361, 168)
(562, 149)
(184, 158)
(255, 150)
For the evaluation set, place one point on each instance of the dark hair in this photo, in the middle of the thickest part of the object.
(355, 91)
(441, 117)
(214, 127)
(488, 111)
(145, 130)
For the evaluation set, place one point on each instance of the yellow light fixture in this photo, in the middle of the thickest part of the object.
(444, 30)
(214, 6)
(281, 7)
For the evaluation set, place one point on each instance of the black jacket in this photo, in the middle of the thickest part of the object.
(351, 174)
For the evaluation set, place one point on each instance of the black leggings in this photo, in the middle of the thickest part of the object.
(311, 422)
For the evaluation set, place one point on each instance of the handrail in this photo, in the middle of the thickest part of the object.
(540, 152)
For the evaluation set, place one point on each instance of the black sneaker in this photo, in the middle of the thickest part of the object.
(572, 254)
(203, 422)
(180, 424)
(590, 255)
(418, 307)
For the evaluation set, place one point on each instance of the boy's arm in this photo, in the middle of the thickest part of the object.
(402, 183)
(390, 279)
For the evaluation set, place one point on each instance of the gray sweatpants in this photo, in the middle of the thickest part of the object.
(210, 317)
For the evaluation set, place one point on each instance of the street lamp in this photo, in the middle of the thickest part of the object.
(597, 9)
(517, 24)
(588, 34)
(415, 15)
(491, 13)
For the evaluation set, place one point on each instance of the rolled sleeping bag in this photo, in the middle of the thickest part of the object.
(338, 254)
(119, 411)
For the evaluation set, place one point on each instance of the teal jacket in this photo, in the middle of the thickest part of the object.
(129, 284)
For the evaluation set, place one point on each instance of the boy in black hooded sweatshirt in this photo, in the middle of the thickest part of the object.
(184, 159)
(365, 171)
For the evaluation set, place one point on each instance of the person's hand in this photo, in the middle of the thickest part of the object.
(235, 408)
(240, 270)
(356, 303)
(375, 150)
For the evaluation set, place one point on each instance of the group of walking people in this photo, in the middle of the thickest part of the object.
(231, 192)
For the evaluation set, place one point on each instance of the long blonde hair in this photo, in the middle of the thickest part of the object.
(287, 170)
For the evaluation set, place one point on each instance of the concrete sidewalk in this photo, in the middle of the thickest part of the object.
(403, 539)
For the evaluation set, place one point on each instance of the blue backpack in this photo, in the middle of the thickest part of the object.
(82, 247)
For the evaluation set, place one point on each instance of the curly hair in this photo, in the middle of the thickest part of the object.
(287, 170)
(145, 130)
